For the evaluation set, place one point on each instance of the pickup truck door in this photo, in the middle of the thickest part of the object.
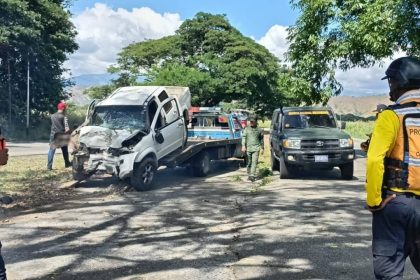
(170, 125)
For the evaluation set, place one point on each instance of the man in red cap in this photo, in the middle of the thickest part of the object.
(59, 125)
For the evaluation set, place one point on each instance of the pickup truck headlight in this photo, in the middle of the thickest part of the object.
(291, 143)
(346, 143)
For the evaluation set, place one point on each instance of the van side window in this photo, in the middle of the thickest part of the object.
(161, 120)
(275, 124)
(163, 96)
(152, 110)
(171, 110)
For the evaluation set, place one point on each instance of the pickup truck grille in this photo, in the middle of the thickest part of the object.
(320, 144)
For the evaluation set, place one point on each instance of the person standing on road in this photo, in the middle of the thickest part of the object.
(393, 172)
(3, 161)
(59, 125)
(252, 143)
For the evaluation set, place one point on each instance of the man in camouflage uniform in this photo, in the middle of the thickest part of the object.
(252, 143)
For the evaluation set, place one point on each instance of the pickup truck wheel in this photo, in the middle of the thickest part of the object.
(201, 164)
(283, 168)
(77, 170)
(143, 175)
(184, 143)
(274, 163)
(347, 170)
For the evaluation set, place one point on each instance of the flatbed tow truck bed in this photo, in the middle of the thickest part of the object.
(199, 153)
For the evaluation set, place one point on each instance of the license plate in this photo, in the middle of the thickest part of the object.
(323, 158)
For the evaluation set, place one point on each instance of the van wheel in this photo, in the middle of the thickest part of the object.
(143, 174)
(283, 168)
(274, 163)
(347, 170)
(201, 164)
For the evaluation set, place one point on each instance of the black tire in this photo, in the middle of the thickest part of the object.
(347, 170)
(144, 174)
(274, 163)
(283, 168)
(184, 144)
(77, 170)
(201, 164)
(186, 122)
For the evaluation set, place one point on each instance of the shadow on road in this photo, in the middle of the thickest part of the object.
(199, 228)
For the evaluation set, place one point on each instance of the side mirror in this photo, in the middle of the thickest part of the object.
(159, 137)
(342, 125)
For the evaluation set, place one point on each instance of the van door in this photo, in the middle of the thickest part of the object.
(169, 127)
(275, 132)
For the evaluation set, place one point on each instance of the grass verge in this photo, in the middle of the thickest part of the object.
(359, 129)
(27, 180)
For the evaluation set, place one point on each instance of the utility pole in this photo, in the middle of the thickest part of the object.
(27, 101)
(9, 79)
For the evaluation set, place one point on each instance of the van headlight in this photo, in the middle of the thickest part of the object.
(291, 143)
(346, 143)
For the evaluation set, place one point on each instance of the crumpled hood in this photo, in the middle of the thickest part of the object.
(316, 133)
(101, 137)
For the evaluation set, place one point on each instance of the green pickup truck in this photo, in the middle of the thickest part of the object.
(309, 138)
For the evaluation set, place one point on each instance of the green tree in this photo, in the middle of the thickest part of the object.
(211, 57)
(337, 34)
(39, 32)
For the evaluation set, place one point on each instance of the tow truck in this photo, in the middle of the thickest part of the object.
(212, 135)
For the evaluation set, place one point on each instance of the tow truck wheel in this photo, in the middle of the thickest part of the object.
(201, 164)
(283, 168)
(347, 170)
(274, 163)
(143, 175)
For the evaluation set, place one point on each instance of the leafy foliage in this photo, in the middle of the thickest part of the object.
(336, 34)
(38, 32)
(211, 57)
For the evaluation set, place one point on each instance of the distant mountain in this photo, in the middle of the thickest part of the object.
(359, 106)
(77, 96)
(89, 80)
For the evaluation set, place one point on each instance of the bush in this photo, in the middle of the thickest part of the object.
(76, 115)
(40, 126)
(359, 129)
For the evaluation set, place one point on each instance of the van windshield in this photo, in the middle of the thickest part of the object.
(307, 119)
(120, 117)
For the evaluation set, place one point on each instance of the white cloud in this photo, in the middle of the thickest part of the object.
(275, 40)
(364, 81)
(356, 81)
(103, 32)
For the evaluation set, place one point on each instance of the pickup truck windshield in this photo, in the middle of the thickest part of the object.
(308, 119)
(120, 117)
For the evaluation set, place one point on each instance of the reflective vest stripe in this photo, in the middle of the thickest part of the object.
(405, 111)
(413, 95)
(414, 162)
(412, 122)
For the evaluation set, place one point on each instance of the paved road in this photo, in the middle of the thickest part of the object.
(26, 149)
(219, 227)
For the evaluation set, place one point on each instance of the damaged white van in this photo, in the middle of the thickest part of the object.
(130, 131)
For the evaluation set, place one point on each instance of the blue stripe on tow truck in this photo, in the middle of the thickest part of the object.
(209, 133)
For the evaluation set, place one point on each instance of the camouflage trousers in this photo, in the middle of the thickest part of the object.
(251, 163)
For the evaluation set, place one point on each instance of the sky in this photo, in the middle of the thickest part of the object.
(105, 27)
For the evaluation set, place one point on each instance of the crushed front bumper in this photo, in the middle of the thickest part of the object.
(103, 161)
